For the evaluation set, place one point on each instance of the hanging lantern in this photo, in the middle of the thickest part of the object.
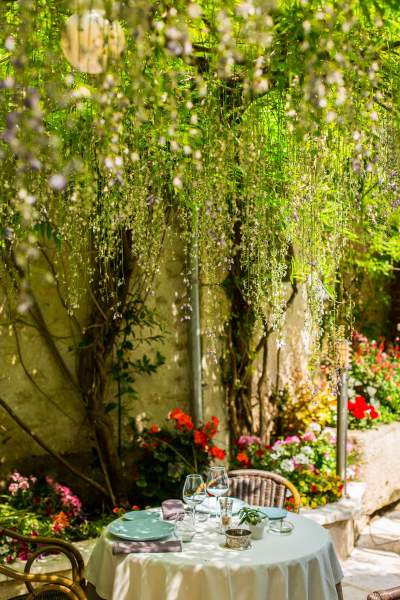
(89, 40)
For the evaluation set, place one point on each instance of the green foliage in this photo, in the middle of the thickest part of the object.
(250, 516)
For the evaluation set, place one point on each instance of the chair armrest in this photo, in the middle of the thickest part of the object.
(49, 544)
(51, 582)
(391, 594)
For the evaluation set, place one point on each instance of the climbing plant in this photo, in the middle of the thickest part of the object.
(257, 129)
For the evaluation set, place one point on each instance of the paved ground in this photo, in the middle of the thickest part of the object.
(375, 563)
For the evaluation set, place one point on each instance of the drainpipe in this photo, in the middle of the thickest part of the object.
(195, 339)
(342, 412)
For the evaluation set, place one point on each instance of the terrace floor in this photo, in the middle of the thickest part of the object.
(375, 562)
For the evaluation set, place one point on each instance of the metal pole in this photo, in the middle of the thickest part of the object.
(341, 438)
(343, 350)
(195, 339)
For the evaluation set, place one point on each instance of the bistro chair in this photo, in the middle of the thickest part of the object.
(263, 488)
(47, 586)
(392, 594)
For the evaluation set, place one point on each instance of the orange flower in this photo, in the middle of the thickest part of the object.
(243, 458)
(60, 522)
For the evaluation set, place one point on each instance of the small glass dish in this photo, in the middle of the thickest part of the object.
(237, 539)
(281, 527)
(185, 527)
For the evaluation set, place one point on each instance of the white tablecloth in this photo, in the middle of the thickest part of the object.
(300, 566)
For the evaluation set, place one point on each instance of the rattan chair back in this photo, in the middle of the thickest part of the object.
(263, 488)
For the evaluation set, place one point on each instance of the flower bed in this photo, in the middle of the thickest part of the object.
(374, 383)
(41, 506)
(307, 460)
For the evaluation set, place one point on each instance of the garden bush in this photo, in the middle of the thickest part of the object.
(169, 453)
(43, 507)
(307, 460)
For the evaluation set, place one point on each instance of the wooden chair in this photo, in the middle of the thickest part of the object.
(262, 488)
(49, 587)
(392, 594)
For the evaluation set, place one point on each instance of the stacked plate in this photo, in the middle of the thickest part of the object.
(210, 505)
(141, 526)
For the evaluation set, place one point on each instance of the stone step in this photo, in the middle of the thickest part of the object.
(382, 533)
(368, 570)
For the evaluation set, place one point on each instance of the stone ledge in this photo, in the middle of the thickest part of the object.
(340, 518)
(347, 508)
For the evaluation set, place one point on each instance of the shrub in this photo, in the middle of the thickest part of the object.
(33, 506)
(171, 452)
(308, 461)
(304, 404)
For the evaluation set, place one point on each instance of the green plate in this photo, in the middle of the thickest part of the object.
(133, 515)
(141, 529)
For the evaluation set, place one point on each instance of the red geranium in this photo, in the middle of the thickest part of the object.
(200, 438)
(217, 453)
(360, 409)
(182, 420)
(154, 428)
(243, 458)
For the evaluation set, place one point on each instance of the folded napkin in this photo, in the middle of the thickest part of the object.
(158, 546)
(172, 508)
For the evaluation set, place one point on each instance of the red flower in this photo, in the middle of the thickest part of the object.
(358, 406)
(200, 438)
(359, 413)
(135, 507)
(373, 413)
(211, 427)
(259, 452)
(116, 510)
(243, 458)
(313, 488)
(182, 419)
(217, 453)
(154, 428)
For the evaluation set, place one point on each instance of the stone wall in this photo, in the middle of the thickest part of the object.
(379, 458)
(57, 415)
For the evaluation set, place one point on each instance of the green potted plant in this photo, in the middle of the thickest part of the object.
(255, 521)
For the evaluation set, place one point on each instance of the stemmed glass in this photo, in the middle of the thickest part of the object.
(194, 492)
(217, 482)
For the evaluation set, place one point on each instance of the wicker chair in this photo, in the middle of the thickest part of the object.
(262, 488)
(392, 594)
(48, 586)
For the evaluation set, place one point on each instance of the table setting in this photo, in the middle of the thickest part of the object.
(212, 545)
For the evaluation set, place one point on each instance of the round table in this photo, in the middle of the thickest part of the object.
(299, 566)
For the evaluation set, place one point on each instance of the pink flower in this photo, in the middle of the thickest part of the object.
(247, 440)
(292, 439)
(13, 488)
(308, 436)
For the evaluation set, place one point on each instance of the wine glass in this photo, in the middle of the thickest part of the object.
(194, 492)
(217, 482)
